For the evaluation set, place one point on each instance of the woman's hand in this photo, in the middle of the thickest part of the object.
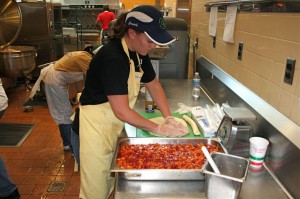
(178, 125)
(169, 130)
(171, 121)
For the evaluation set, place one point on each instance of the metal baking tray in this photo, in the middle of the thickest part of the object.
(162, 174)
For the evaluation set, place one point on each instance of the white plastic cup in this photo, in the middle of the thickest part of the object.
(258, 149)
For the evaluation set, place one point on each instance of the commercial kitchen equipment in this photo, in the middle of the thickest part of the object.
(45, 34)
(79, 26)
(235, 131)
(17, 61)
(78, 20)
(43, 37)
(175, 63)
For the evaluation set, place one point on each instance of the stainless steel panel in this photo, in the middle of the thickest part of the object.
(33, 31)
(10, 22)
(91, 2)
(161, 174)
(46, 34)
(175, 63)
(258, 185)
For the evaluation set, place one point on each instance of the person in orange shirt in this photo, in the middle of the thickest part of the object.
(105, 18)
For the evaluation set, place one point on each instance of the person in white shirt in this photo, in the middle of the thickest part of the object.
(8, 189)
(3, 100)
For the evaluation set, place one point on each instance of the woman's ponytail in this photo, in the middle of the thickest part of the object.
(120, 28)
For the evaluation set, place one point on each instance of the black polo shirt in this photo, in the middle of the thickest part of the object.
(108, 73)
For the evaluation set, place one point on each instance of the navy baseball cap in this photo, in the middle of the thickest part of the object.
(148, 19)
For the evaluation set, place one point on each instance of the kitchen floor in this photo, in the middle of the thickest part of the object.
(40, 160)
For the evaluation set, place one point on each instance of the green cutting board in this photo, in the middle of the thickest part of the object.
(143, 133)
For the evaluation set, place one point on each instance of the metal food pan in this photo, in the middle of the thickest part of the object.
(162, 174)
(233, 172)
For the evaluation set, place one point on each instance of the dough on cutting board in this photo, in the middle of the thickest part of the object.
(161, 120)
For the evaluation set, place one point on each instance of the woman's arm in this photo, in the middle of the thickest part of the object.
(121, 109)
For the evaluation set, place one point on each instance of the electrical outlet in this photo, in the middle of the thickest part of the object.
(214, 42)
(289, 71)
(240, 50)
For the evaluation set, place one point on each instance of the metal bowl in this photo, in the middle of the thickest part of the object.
(17, 61)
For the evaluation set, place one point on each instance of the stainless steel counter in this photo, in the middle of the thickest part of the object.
(176, 91)
(258, 185)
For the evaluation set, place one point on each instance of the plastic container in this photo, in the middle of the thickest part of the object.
(227, 184)
(149, 103)
(196, 86)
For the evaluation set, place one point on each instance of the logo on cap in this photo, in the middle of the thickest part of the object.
(133, 24)
(162, 23)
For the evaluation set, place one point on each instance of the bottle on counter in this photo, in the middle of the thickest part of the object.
(149, 103)
(196, 86)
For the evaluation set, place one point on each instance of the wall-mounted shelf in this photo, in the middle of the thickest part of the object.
(285, 6)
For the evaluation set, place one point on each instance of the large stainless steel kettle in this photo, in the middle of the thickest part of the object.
(10, 22)
(15, 61)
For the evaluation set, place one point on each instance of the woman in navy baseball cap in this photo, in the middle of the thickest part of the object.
(111, 89)
(149, 20)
